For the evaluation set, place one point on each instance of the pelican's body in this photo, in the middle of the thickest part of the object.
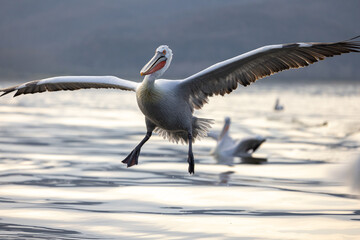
(164, 105)
(155, 100)
(168, 105)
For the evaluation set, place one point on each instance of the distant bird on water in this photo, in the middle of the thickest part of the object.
(278, 106)
(168, 105)
(226, 147)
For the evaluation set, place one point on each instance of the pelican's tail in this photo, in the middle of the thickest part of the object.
(200, 129)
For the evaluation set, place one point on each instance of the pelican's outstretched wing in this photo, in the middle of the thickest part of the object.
(245, 69)
(71, 83)
(245, 145)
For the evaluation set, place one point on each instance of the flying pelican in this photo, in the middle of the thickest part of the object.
(226, 147)
(168, 105)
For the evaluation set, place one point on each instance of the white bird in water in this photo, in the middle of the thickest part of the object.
(227, 148)
(278, 106)
(168, 105)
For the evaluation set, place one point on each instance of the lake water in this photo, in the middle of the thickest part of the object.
(61, 175)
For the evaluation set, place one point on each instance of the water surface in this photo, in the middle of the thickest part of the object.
(61, 175)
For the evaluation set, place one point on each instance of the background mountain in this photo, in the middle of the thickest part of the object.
(43, 38)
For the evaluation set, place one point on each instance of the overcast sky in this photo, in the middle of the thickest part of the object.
(43, 38)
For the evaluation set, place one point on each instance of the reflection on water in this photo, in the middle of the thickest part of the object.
(61, 175)
(18, 231)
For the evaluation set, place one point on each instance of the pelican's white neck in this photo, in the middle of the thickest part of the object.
(149, 79)
(225, 129)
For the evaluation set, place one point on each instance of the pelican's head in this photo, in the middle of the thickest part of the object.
(227, 121)
(159, 63)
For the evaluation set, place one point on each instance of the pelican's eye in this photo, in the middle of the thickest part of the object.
(164, 52)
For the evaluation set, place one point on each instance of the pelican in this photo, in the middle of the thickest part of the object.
(168, 105)
(227, 147)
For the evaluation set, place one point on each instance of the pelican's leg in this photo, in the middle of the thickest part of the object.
(132, 158)
(191, 156)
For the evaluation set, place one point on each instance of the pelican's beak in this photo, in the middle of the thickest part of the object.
(155, 64)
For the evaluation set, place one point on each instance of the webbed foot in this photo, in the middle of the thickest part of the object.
(132, 158)
(191, 164)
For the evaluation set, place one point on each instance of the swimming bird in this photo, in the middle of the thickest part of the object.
(226, 147)
(278, 106)
(168, 105)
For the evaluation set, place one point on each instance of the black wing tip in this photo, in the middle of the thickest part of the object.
(353, 43)
(358, 36)
(4, 94)
(6, 91)
(18, 93)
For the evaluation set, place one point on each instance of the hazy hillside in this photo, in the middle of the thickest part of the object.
(40, 38)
